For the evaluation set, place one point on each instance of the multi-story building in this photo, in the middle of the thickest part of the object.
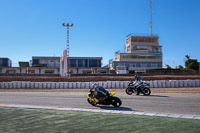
(142, 52)
(5, 62)
(77, 65)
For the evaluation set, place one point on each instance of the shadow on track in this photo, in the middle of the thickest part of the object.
(156, 96)
(115, 108)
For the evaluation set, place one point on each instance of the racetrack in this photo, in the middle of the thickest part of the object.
(179, 103)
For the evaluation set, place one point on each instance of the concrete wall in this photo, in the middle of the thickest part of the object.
(105, 84)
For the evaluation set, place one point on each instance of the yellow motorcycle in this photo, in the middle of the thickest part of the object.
(98, 95)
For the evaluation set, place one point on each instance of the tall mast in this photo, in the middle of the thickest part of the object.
(151, 1)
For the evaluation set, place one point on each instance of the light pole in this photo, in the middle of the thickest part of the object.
(66, 66)
(68, 25)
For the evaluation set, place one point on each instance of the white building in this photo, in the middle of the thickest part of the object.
(142, 52)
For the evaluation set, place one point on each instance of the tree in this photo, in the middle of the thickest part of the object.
(191, 63)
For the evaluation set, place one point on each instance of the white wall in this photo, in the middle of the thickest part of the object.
(105, 84)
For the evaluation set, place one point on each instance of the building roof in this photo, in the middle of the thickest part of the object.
(4, 58)
(96, 58)
(24, 64)
(142, 54)
(142, 35)
(58, 58)
(46, 57)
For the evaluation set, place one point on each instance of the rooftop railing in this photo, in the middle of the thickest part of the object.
(142, 34)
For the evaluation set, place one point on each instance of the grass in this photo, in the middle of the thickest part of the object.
(17, 120)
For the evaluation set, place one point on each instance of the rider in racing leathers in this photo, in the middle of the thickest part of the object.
(100, 93)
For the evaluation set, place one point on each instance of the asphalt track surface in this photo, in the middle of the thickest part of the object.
(178, 103)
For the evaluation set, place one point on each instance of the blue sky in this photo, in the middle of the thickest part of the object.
(34, 27)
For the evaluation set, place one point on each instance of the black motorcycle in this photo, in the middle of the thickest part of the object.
(138, 87)
(98, 95)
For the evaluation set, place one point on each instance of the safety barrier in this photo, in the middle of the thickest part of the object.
(87, 85)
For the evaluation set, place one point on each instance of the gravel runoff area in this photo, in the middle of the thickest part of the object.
(153, 90)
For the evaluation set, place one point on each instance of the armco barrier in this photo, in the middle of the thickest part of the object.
(87, 85)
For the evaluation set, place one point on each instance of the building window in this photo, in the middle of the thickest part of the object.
(159, 65)
(132, 65)
(154, 65)
(137, 64)
(143, 65)
(141, 57)
(86, 63)
(49, 71)
(148, 64)
(80, 63)
(35, 61)
(129, 48)
(93, 63)
(127, 64)
(5, 62)
(72, 63)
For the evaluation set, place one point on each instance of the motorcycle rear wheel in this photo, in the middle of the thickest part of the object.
(116, 102)
(129, 91)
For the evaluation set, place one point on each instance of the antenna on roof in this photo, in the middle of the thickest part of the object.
(151, 1)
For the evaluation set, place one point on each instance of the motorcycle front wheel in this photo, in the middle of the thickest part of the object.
(91, 102)
(129, 91)
(146, 91)
(115, 101)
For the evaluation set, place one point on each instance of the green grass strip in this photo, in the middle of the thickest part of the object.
(18, 120)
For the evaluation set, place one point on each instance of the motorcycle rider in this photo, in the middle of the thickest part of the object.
(138, 81)
(99, 92)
